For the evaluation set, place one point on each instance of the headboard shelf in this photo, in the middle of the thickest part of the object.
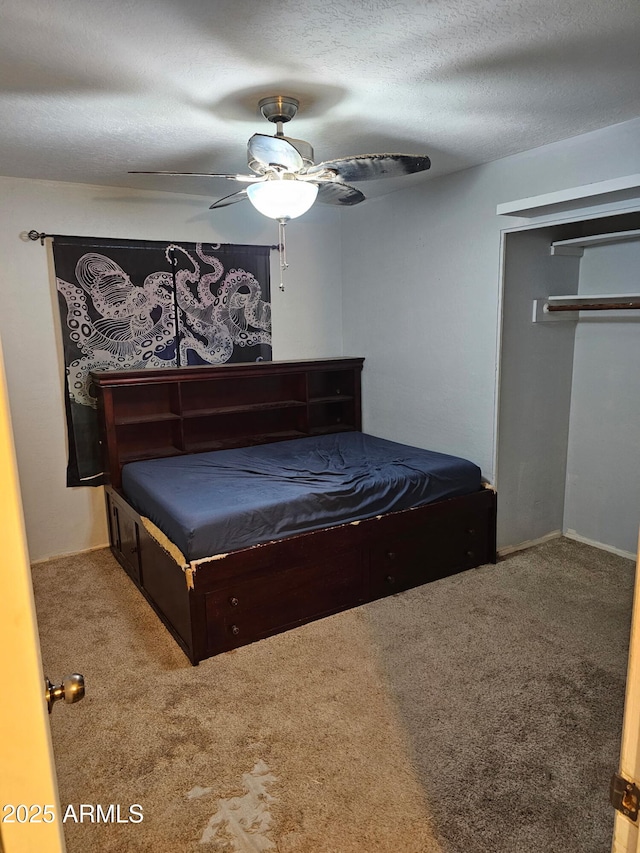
(152, 453)
(246, 407)
(124, 420)
(335, 398)
(170, 411)
(325, 430)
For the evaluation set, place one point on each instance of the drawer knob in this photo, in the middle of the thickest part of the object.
(391, 555)
(235, 630)
(470, 554)
(471, 531)
(390, 579)
(233, 602)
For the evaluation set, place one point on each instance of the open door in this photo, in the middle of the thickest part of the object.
(30, 816)
(625, 832)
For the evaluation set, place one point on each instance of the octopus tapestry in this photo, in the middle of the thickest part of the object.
(133, 304)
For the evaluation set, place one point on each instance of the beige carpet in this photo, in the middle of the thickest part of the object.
(455, 717)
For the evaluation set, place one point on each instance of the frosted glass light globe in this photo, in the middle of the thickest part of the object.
(282, 199)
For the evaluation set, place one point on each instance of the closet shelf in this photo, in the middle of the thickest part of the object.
(577, 245)
(567, 307)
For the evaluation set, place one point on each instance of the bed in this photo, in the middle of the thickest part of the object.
(245, 500)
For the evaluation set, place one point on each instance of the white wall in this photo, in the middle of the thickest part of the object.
(421, 279)
(603, 468)
(306, 319)
(420, 301)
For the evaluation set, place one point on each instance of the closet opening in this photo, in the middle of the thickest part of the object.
(568, 441)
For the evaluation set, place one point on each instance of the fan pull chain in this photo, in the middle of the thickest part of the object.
(282, 245)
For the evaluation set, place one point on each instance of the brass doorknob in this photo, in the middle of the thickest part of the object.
(71, 690)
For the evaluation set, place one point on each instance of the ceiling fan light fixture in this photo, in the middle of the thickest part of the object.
(282, 199)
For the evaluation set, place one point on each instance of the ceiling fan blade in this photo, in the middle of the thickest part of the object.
(365, 167)
(274, 151)
(201, 175)
(229, 199)
(335, 192)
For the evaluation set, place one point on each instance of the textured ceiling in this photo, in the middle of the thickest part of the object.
(89, 90)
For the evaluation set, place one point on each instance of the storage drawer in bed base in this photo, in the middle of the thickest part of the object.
(257, 592)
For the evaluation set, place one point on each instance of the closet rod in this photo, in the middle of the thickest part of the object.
(594, 306)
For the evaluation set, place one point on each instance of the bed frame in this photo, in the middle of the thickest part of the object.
(237, 598)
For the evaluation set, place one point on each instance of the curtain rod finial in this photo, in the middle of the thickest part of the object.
(36, 235)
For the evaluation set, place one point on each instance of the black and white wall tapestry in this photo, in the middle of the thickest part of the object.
(129, 304)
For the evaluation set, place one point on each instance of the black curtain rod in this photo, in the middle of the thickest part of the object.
(40, 235)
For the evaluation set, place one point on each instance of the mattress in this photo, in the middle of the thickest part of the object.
(213, 503)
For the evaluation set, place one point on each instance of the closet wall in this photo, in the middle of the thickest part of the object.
(535, 390)
(602, 502)
(569, 405)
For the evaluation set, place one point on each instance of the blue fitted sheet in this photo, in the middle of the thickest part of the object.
(212, 503)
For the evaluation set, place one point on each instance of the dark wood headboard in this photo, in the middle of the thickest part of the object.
(146, 414)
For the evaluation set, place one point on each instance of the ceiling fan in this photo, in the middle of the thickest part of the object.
(286, 182)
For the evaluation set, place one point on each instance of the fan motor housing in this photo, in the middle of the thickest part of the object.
(278, 108)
